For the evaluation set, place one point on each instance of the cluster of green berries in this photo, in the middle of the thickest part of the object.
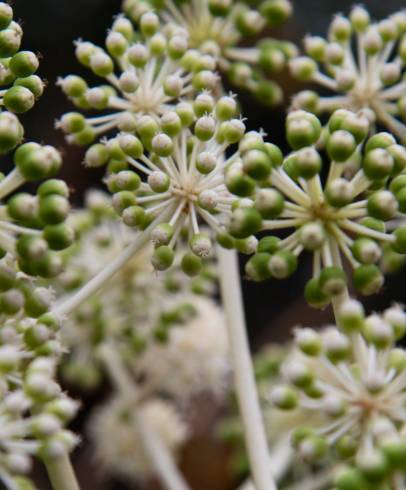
(369, 79)
(219, 28)
(330, 213)
(146, 72)
(349, 383)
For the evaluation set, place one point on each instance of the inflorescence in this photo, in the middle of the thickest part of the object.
(218, 27)
(331, 214)
(369, 79)
(348, 382)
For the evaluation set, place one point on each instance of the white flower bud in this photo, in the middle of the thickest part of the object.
(345, 80)
(208, 199)
(128, 81)
(312, 235)
(18, 463)
(333, 405)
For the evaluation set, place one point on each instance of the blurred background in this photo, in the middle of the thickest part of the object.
(273, 308)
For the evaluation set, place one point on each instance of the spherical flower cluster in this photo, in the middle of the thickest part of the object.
(20, 87)
(182, 158)
(119, 450)
(33, 411)
(146, 73)
(369, 79)
(340, 217)
(219, 28)
(196, 355)
(32, 227)
(350, 380)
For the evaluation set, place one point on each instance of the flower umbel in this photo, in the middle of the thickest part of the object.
(341, 217)
(351, 383)
(219, 28)
(146, 74)
(183, 160)
(371, 79)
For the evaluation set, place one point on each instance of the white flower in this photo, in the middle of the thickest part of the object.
(117, 446)
(195, 355)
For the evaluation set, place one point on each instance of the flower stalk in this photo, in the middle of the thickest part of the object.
(243, 371)
(61, 473)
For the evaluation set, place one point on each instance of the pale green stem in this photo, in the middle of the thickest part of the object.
(61, 473)
(244, 379)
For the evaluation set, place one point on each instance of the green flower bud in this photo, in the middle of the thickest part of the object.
(341, 145)
(134, 216)
(238, 183)
(379, 140)
(53, 209)
(244, 222)
(313, 448)
(162, 258)
(256, 164)
(308, 162)
(270, 203)
(303, 68)
(11, 132)
(225, 108)
(73, 86)
(37, 302)
(122, 200)
(302, 129)
(332, 281)
(101, 64)
(225, 240)
(276, 11)
(399, 244)
(350, 479)
(314, 294)
(6, 15)
(257, 267)
(191, 264)
(282, 264)
(312, 235)
(125, 180)
(37, 162)
(366, 251)
(10, 41)
(382, 205)
(53, 186)
(269, 244)
(24, 64)
(49, 265)
(368, 279)
(23, 207)
(72, 122)
(59, 236)
(32, 83)
(18, 99)
(284, 397)
(378, 164)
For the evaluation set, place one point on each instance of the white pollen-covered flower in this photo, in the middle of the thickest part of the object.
(363, 62)
(114, 427)
(196, 355)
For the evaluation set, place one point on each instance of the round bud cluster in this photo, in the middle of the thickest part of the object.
(350, 381)
(334, 218)
(181, 159)
(33, 411)
(145, 74)
(20, 86)
(220, 28)
(126, 311)
(118, 447)
(370, 79)
(32, 227)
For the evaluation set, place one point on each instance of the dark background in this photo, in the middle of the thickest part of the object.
(273, 308)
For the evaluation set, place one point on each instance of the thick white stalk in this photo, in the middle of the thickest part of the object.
(61, 473)
(244, 378)
(99, 280)
(157, 453)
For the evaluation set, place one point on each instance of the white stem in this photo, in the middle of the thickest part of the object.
(159, 456)
(156, 451)
(92, 286)
(244, 378)
(61, 473)
(11, 182)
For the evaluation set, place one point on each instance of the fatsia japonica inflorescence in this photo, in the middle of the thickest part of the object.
(363, 62)
(335, 214)
(220, 27)
(347, 382)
